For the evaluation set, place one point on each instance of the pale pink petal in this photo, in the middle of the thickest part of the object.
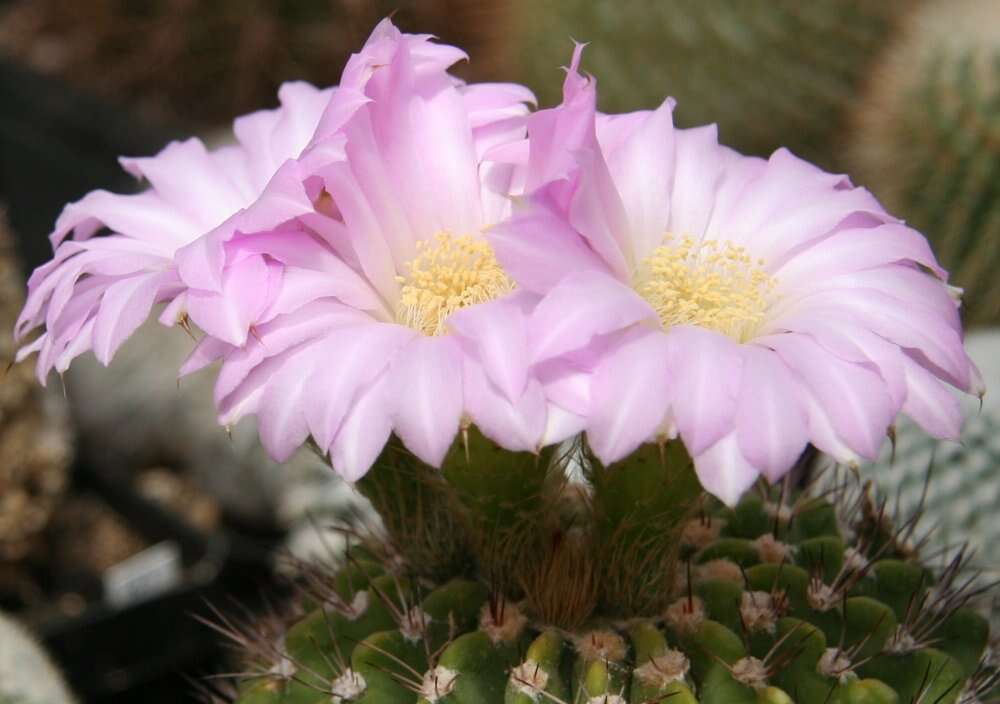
(124, 307)
(281, 417)
(598, 214)
(582, 306)
(363, 433)
(706, 368)
(854, 397)
(630, 397)
(930, 403)
(498, 332)
(724, 471)
(516, 424)
(771, 421)
(698, 171)
(853, 250)
(184, 175)
(426, 390)
(248, 287)
(538, 249)
(642, 169)
(352, 359)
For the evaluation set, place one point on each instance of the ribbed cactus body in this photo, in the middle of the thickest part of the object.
(770, 72)
(811, 600)
(926, 140)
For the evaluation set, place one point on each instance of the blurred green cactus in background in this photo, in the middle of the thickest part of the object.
(771, 72)
(925, 139)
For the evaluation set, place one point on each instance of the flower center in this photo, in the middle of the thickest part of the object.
(447, 274)
(711, 284)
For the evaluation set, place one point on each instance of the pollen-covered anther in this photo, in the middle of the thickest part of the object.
(601, 645)
(347, 687)
(710, 284)
(661, 670)
(438, 683)
(700, 533)
(821, 596)
(413, 624)
(503, 623)
(834, 662)
(771, 550)
(722, 570)
(529, 678)
(750, 671)
(447, 274)
(758, 612)
(685, 614)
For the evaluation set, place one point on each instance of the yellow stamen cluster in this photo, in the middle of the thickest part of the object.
(711, 284)
(447, 274)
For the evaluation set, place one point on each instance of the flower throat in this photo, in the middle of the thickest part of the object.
(711, 284)
(447, 274)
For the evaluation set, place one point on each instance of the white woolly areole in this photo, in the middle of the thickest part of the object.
(821, 597)
(835, 663)
(758, 612)
(902, 641)
(284, 668)
(438, 683)
(355, 609)
(661, 670)
(350, 685)
(699, 533)
(530, 679)
(772, 550)
(601, 645)
(721, 569)
(607, 699)
(750, 671)
(855, 560)
(507, 627)
(414, 624)
(685, 614)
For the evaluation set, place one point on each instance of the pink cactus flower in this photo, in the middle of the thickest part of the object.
(98, 289)
(384, 310)
(749, 306)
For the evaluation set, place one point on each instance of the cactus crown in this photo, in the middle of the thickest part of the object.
(498, 578)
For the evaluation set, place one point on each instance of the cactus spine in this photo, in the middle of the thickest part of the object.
(630, 586)
(926, 140)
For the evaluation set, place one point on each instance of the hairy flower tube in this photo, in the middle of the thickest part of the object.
(749, 306)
